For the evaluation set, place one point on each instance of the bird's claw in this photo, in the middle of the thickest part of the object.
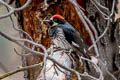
(68, 51)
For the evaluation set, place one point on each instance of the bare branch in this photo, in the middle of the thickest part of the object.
(106, 69)
(99, 37)
(101, 6)
(19, 30)
(87, 23)
(98, 6)
(19, 70)
(96, 67)
(27, 53)
(12, 10)
(107, 26)
(113, 8)
(40, 53)
(82, 17)
(23, 55)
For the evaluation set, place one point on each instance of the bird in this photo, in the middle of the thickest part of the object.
(65, 36)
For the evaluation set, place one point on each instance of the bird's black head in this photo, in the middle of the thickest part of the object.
(56, 20)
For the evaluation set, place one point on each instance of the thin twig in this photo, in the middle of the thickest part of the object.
(45, 1)
(81, 16)
(101, 6)
(99, 37)
(44, 65)
(20, 30)
(12, 10)
(105, 68)
(23, 55)
(27, 53)
(2, 76)
(105, 16)
(108, 22)
(14, 40)
(96, 67)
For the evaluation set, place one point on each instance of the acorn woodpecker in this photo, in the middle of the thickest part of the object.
(65, 36)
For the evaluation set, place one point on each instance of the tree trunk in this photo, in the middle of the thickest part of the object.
(30, 21)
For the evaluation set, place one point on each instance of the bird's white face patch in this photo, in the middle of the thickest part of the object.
(76, 45)
(51, 18)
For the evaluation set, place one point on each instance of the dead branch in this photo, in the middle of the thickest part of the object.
(81, 16)
(2, 76)
(12, 10)
(17, 41)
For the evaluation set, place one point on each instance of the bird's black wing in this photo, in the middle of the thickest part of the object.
(74, 38)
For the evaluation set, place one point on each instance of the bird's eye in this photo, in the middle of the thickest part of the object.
(51, 22)
(55, 19)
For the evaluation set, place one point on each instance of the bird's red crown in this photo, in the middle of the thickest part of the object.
(57, 16)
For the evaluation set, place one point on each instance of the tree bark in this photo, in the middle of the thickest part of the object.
(108, 47)
(30, 21)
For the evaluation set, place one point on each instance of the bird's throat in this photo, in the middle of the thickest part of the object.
(54, 24)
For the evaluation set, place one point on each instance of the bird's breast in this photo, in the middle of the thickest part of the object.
(59, 39)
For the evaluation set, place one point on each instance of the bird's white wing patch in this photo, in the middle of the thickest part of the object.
(85, 50)
(75, 44)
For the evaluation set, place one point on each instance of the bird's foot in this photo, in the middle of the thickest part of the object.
(69, 51)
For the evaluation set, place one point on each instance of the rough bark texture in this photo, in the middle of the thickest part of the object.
(31, 17)
(108, 47)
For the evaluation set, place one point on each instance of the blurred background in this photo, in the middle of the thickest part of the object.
(9, 60)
